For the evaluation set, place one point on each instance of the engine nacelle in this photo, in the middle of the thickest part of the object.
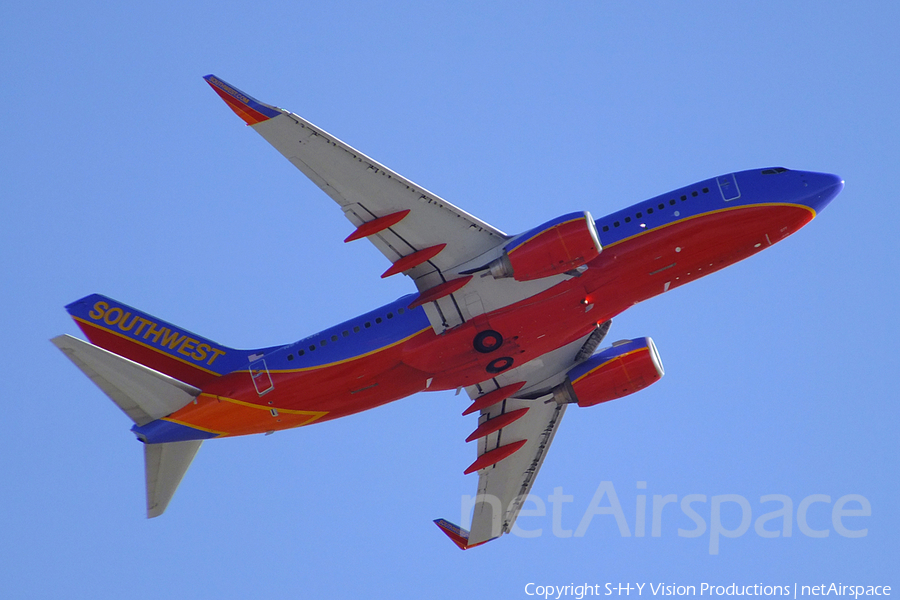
(625, 368)
(557, 246)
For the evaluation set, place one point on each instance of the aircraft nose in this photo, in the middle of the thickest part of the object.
(823, 187)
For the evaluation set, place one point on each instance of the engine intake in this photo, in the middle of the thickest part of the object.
(557, 246)
(625, 368)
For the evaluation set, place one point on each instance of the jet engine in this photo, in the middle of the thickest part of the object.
(558, 246)
(628, 366)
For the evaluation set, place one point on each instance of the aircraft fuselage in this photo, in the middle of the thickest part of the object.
(648, 248)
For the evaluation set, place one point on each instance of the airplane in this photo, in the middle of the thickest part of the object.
(515, 320)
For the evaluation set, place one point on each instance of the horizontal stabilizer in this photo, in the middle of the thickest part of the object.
(142, 393)
(164, 466)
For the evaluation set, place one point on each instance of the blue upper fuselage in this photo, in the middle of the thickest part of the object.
(394, 322)
(391, 324)
(361, 335)
(745, 188)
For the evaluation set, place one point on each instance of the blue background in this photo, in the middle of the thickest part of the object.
(123, 173)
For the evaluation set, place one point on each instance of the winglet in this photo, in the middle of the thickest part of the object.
(456, 533)
(251, 110)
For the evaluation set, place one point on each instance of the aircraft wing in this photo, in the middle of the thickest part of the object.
(432, 241)
(404, 218)
(510, 457)
(503, 487)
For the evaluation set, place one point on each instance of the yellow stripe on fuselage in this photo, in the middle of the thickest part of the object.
(232, 417)
(315, 414)
(192, 426)
(352, 358)
(712, 212)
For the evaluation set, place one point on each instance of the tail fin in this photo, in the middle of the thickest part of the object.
(149, 341)
(150, 369)
(144, 395)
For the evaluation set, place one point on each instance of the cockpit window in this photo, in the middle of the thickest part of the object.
(774, 171)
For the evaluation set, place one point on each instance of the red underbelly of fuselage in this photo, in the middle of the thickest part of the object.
(625, 273)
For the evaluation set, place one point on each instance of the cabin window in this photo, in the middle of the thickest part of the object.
(390, 315)
(300, 352)
(334, 338)
(616, 224)
(705, 190)
(400, 311)
(672, 202)
(378, 319)
(356, 329)
(345, 333)
(639, 215)
(649, 211)
(368, 324)
(628, 219)
(694, 194)
(290, 357)
(312, 347)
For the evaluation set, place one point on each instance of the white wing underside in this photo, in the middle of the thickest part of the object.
(503, 487)
(365, 190)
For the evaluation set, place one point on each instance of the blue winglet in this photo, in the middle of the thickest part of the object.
(251, 110)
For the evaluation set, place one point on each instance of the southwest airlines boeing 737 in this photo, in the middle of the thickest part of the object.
(515, 320)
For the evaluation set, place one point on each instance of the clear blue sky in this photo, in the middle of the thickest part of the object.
(123, 173)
